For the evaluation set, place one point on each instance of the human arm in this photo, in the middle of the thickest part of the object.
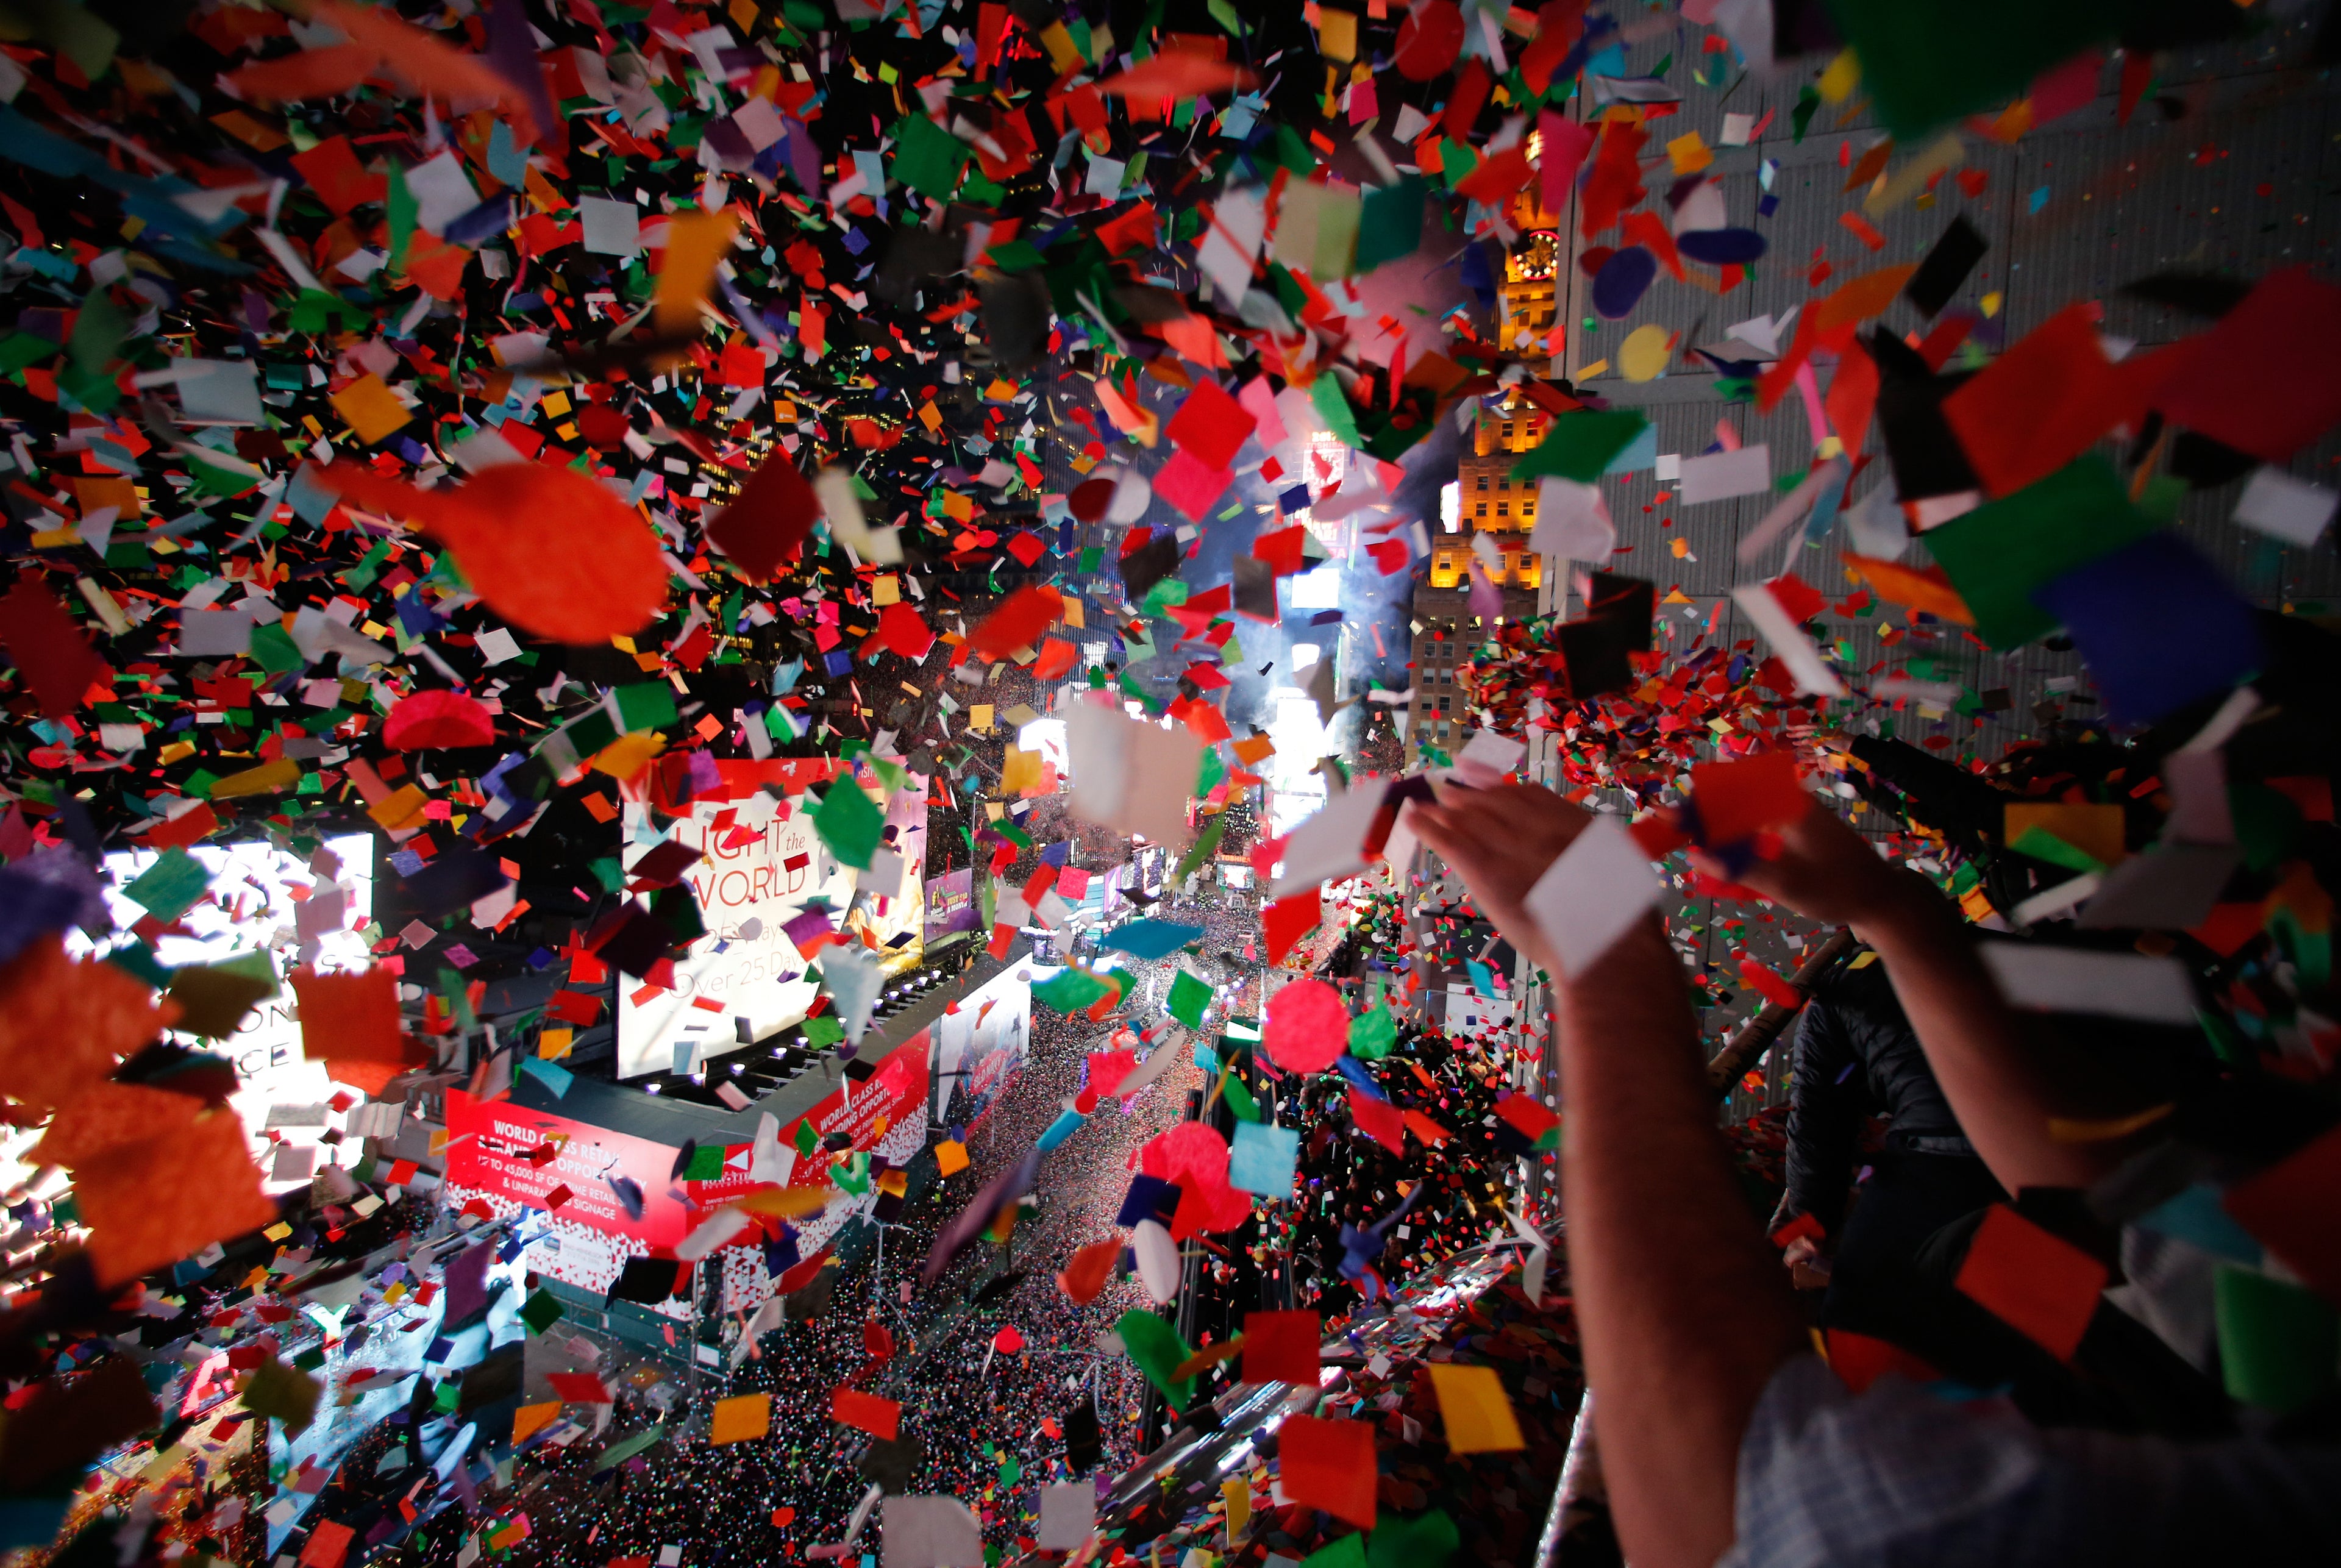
(1988, 1072)
(1683, 1313)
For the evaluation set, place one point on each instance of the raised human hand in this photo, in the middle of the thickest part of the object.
(1809, 1264)
(1500, 841)
(1827, 872)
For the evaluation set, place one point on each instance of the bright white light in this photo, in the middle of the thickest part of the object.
(1295, 792)
(1451, 505)
(1046, 736)
(1305, 655)
(253, 904)
(253, 908)
(1318, 590)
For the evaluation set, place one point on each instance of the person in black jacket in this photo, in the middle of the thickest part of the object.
(1857, 1055)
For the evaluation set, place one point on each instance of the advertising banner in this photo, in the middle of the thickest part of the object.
(885, 1114)
(761, 867)
(950, 903)
(893, 902)
(758, 873)
(497, 1153)
(981, 1048)
(511, 1158)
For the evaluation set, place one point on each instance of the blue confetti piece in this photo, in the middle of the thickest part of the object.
(555, 1078)
(1063, 1127)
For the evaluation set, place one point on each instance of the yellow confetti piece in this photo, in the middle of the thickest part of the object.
(1644, 355)
(1063, 53)
(1477, 1411)
(372, 409)
(628, 756)
(739, 1420)
(268, 778)
(1938, 157)
(1843, 75)
(403, 807)
(1337, 33)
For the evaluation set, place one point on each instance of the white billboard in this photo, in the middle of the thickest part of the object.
(757, 874)
(980, 1046)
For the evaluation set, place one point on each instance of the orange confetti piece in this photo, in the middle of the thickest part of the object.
(1859, 298)
(106, 1116)
(63, 1025)
(695, 242)
(153, 1203)
(1919, 588)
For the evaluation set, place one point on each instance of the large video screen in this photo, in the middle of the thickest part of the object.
(761, 867)
(301, 909)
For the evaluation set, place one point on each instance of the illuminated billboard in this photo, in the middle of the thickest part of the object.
(761, 867)
(314, 911)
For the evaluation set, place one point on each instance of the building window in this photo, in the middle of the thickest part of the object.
(1503, 508)
(1483, 482)
(1483, 509)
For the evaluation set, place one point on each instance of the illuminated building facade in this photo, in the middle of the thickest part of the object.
(1487, 501)
(1490, 501)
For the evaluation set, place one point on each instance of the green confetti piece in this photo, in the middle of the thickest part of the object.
(1580, 444)
(1427, 1540)
(1189, 999)
(169, 888)
(928, 158)
(1159, 1352)
(2277, 1342)
(849, 823)
(541, 1311)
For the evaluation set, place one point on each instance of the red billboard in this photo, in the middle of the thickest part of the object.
(885, 1114)
(513, 1158)
(494, 1152)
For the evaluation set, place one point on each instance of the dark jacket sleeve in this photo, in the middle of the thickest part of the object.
(1826, 1105)
(1935, 793)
